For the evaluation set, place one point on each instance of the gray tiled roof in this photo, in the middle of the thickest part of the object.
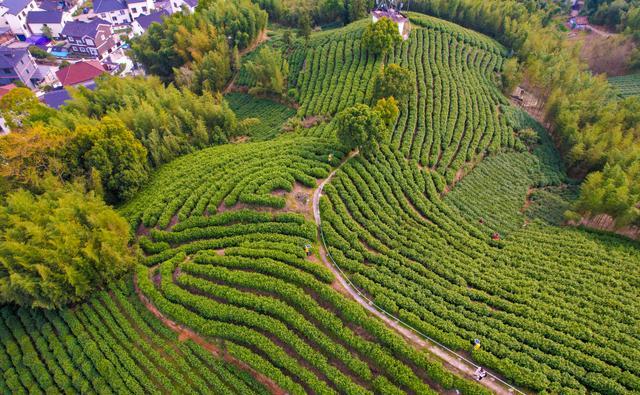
(44, 17)
(146, 20)
(81, 29)
(100, 6)
(9, 57)
(15, 6)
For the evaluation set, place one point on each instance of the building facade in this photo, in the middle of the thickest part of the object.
(92, 39)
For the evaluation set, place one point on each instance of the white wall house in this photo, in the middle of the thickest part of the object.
(54, 20)
(115, 12)
(142, 23)
(14, 14)
(140, 7)
(179, 5)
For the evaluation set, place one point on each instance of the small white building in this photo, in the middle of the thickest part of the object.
(54, 20)
(402, 21)
(115, 12)
(179, 5)
(13, 13)
(140, 7)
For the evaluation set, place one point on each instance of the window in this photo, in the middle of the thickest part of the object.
(7, 71)
(134, 10)
(70, 39)
(114, 18)
(26, 70)
(144, 9)
(121, 12)
(82, 49)
(89, 41)
(103, 16)
(74, 48)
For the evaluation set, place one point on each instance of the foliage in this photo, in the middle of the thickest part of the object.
(379, 37)
(361, 127)
(111, 150)
(185, 40)
(111, 343)
(56, 248)
(433, 264)
(268, 71)
(271, 115)
(167, 121)
(394, 80)
(21, 108)
(614, 192)
(387, 109)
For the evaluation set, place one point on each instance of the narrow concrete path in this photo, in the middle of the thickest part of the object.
(453, 362)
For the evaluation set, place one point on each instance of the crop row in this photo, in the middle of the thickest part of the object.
(548, 304)
(200, 183)
(270, 114)
(274, 309)
(108, 345)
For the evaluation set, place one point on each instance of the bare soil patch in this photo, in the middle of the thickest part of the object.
(604, 52)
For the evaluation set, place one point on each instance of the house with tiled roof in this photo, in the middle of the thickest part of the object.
(91, 39)
(142, 23)
(55, 20)
(59, 97)
(17, 64)
(13, 13)
(80, 73)
(179, 5)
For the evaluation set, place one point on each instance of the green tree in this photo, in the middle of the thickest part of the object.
(46, 31)
(58, 247)
(110, 149)
(394, 80)
(269, 72)
(305, 26)
(387, 109)
(357, 9)
(379, 37)
(21, 108)
(360, 127)
(511, 75)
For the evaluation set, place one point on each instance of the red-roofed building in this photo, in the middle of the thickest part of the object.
(80, 73)
(4, 89)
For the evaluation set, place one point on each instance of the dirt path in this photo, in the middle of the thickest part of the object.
(454, 362)
(262, 38)
(185, 333)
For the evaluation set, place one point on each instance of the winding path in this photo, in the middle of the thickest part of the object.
(457, 363)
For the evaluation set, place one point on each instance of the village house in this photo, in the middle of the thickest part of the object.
(179, 5)
(93, 39)
(142, 23)
(80, 73)
(138, 8)
(17, 64)
(54, 20)
(13, 13)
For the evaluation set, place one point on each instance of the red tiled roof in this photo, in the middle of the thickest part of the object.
(4, 89)
(80, 72)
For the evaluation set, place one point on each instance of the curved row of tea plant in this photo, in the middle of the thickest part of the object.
(555, 308)
(242, 277)
(270, 114)
(109, 345)
(221, 177)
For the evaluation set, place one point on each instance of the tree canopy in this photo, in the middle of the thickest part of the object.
(364, 127)
(394, 80)
(268, 71)
(57, 247)
(379, 37)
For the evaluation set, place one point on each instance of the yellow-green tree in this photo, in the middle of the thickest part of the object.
(59, 246)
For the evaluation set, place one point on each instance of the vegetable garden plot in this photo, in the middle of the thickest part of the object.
(275, 310)
(555, 308)
(109, 345)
